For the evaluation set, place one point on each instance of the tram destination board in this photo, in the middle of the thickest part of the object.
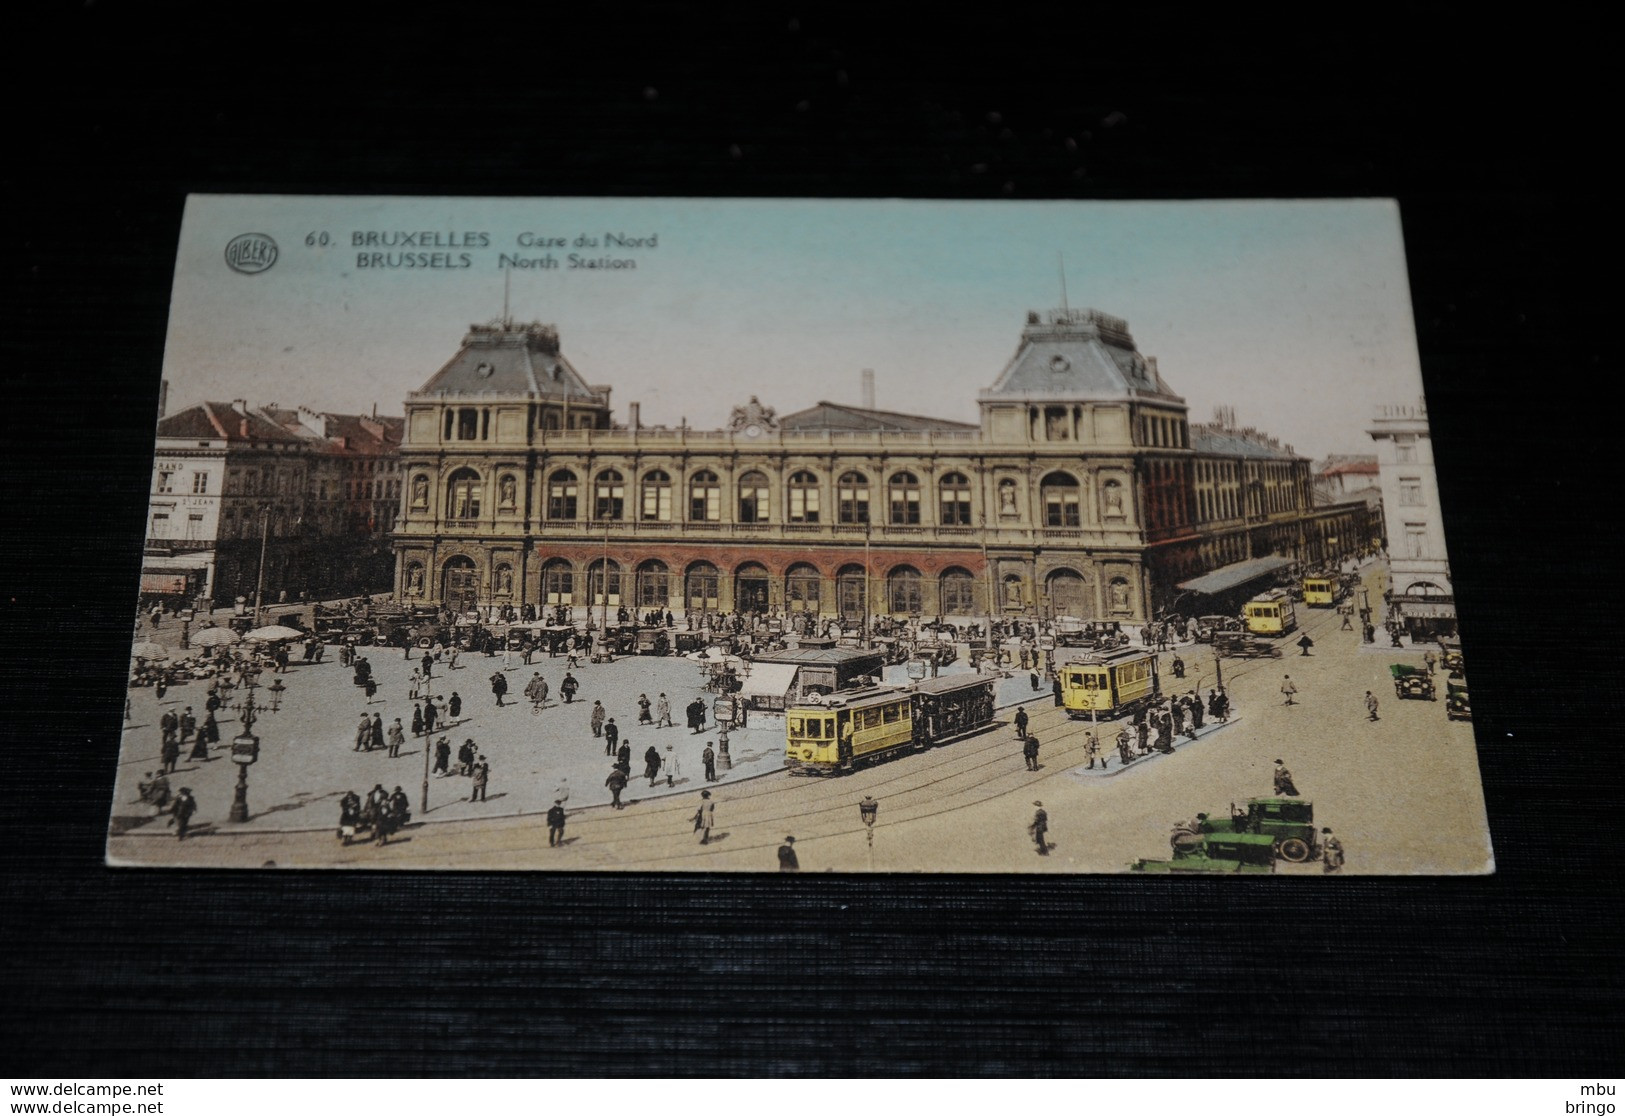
(576, 528)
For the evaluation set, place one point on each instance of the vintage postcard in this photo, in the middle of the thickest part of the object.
(735, 535)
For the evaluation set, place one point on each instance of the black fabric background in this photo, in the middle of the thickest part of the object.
(1493, 142)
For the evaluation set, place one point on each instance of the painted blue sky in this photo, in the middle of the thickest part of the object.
(1296, 313)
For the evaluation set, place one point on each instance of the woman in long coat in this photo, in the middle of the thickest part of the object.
(417, 720)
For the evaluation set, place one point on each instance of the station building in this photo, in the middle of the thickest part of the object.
(1084, 490)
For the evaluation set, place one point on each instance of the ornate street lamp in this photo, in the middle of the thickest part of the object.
(245, 750)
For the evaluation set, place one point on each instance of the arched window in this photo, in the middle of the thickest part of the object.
(656, 497)
(596, 586)
(751, 588)
(463, 495)
(459, 583)
(903, 590)
(803, 498)
(561, 495)
(609, 495)
(700, 587)
(654, 584)
(753, 498)
(704, 497)
(958, 591)
(903, 495)
(1060, 493)
(852, 496)
(1068, 594)
(852, 591)
(558, 582)
(955, 493)
(801, 585)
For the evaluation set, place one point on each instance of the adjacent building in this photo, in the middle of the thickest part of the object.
(310, 497)
(1420, 596)
(1082, 491)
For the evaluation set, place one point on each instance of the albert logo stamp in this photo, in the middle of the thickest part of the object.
(251, 253)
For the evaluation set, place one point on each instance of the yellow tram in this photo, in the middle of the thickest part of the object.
(833, 733)
(1110, 684)
(1270, 614)
(1320, 592)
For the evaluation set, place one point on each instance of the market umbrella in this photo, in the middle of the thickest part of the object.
(215, 637)
(146, 649)
(273, 632)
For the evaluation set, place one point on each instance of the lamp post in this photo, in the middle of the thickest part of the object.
(245, 750)
(259, 587)
(867, 810)
(423, 802)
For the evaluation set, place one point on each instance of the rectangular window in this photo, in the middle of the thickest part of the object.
(561, 501)
(705, 505)
(200, 484)
(804, 505)
(1410, 491)
(657, 503)
(854, 505)
(166, 482)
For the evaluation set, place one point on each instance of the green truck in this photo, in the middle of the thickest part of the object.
(1249, 841)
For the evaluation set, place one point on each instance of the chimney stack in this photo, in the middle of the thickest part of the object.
(634, 418)
(868, 389)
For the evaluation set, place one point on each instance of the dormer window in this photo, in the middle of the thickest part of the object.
(485, 369)
(1059, 363)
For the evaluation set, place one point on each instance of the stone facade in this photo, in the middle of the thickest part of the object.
(1082, 491)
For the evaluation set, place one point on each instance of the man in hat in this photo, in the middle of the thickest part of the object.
(482, 775)
(1029, 752)
(181, 813)
(709, 759)
(616, 784)
(1371, 704)
(397, 737)
(1091, 748)
(1306, 643)
(442, 756)
(363, 734)
(1331, 851)
(1021, 723)
(1040, 829)
(1283, 780)
(555, 823)
(663, 712)
(705, 817)
(1290, 689)
(612, 733)
(787, 856)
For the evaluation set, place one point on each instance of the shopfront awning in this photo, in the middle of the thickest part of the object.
(768, 680)
(1235, 574)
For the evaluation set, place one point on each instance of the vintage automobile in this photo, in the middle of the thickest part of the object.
(942, 652)
(1456, 704)
(653, 641)
(1233, 853)
(1241, 645)
(1450, 657)
(685, 642)
(1098, 635)
(1209, 626)
(1412, 682)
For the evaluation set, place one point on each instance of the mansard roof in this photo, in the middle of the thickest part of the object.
(1077, 354)
(510, 358)
(840, 418)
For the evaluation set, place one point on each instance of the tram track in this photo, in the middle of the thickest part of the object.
(956, 773)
